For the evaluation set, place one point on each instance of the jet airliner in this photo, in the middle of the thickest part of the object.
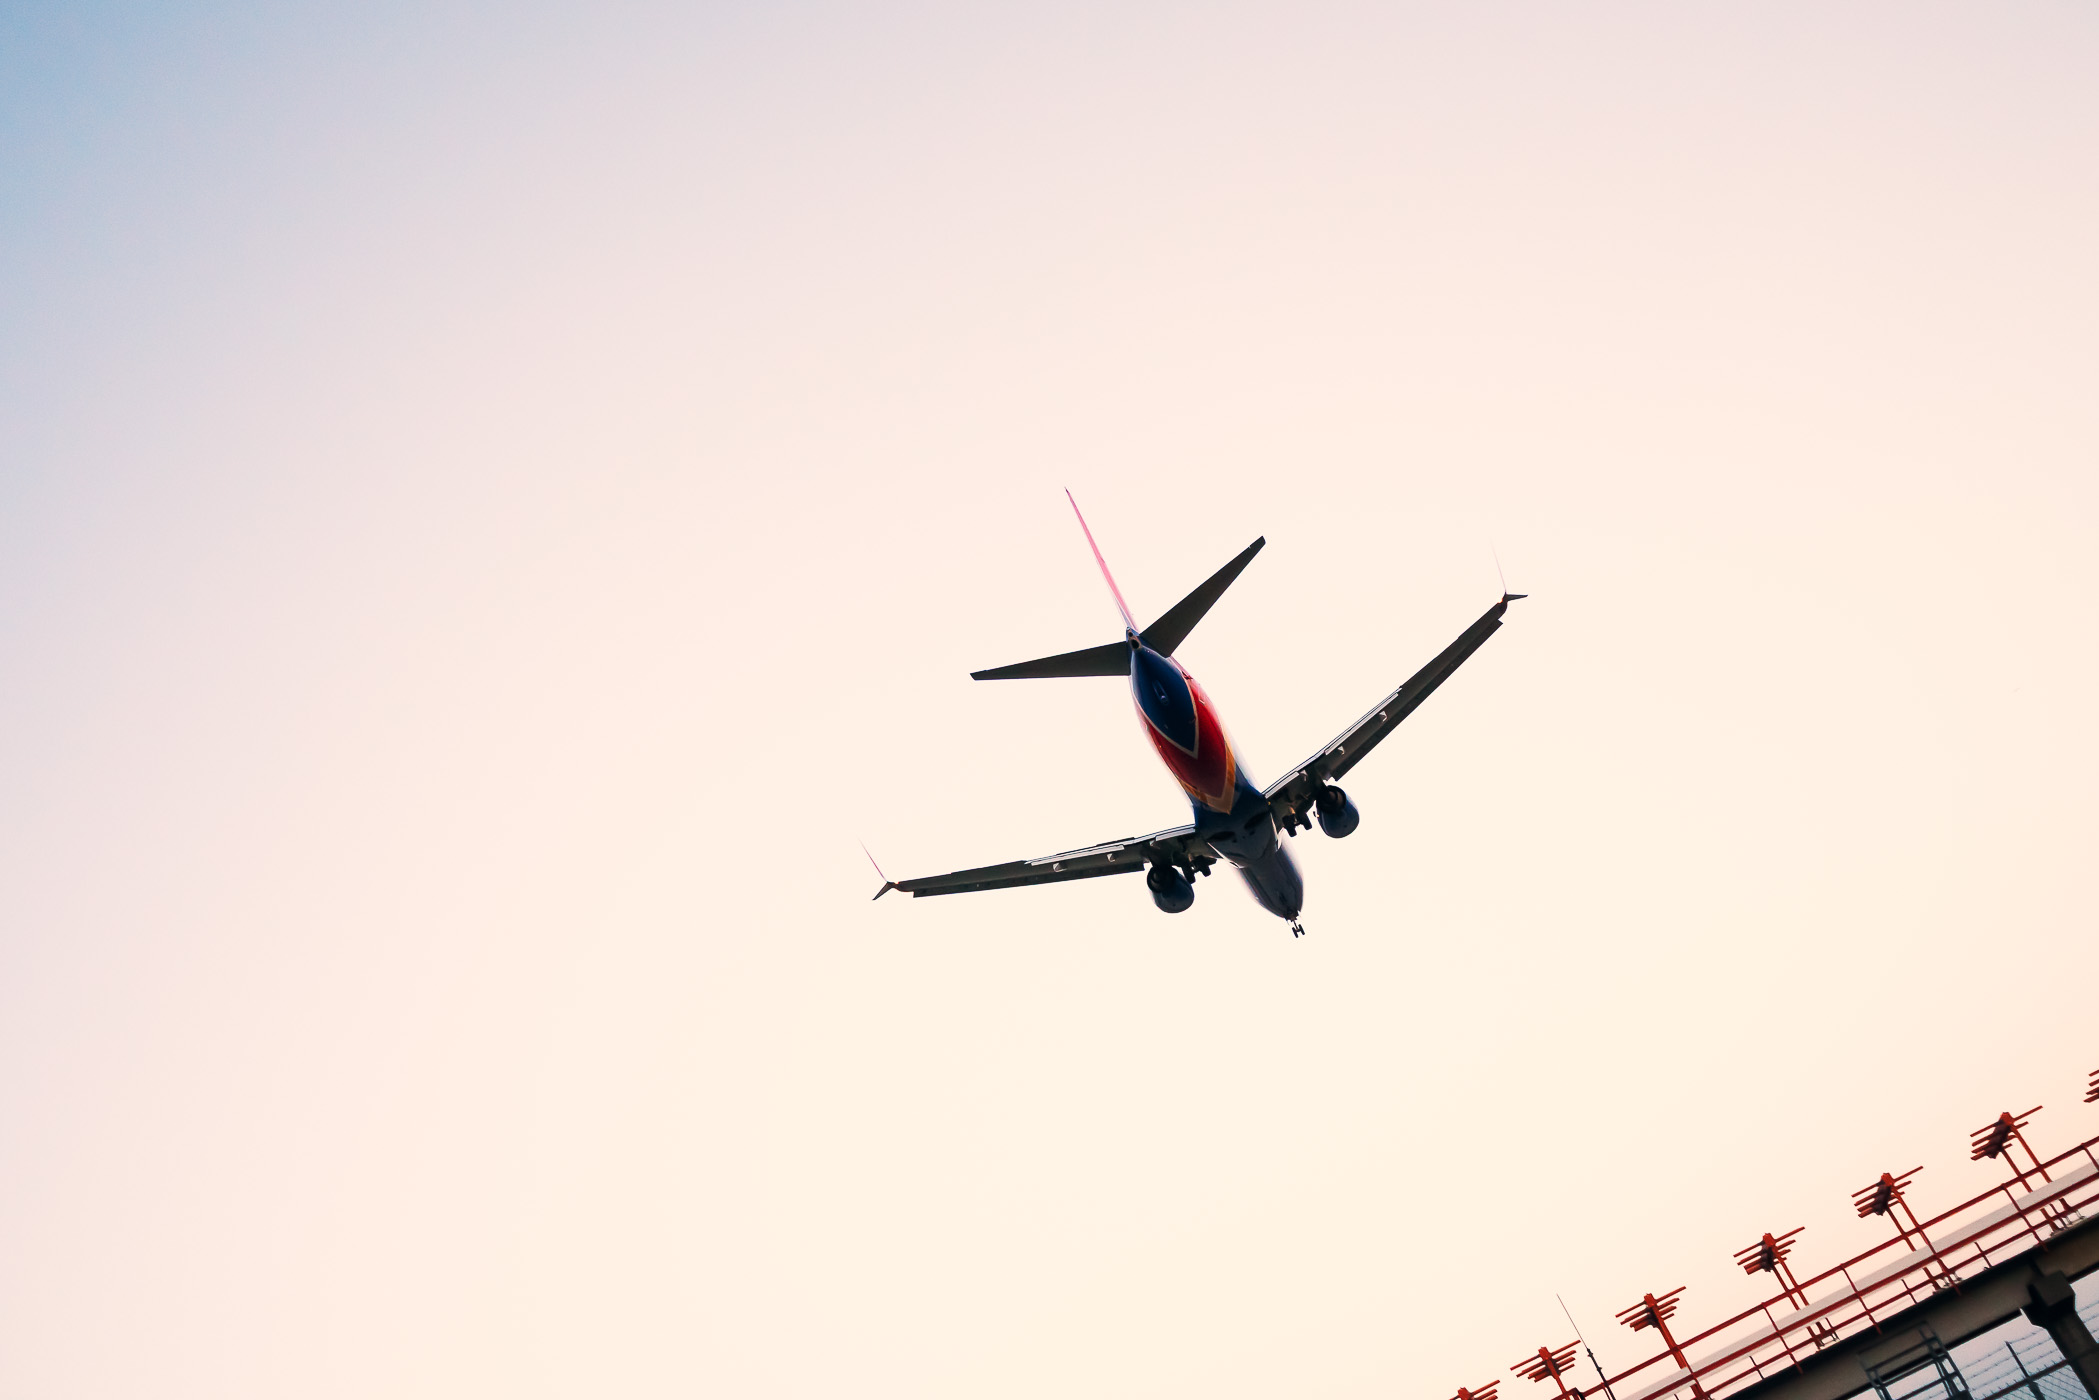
(1235, 821)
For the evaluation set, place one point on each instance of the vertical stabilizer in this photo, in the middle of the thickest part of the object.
(1122, 607)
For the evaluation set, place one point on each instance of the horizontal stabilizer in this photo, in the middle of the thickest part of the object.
(1110, 660)
(1166, 635)
(1163, 636)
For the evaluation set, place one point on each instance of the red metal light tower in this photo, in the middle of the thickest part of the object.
(1655, 1312)
(2091, 1095)
(1768, 1256)
(1485, 1392)
(1884, 1197)
(1997, 1137)
(1553, 1364)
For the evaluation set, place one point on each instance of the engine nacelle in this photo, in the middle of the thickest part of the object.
(1337, 815)
(1170, 889)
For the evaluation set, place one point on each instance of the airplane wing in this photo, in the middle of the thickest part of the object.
(1291, 798)
(1126, 856)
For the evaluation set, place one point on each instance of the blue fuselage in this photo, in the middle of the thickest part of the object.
(1231, 814)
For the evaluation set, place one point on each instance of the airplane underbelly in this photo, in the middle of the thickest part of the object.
(1276, 885)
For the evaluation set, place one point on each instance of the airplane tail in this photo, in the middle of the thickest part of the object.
(1164, 636)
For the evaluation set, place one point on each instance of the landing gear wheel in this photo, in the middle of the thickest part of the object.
(1297, 930)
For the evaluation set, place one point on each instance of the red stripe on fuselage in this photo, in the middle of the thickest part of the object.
(1209, 774)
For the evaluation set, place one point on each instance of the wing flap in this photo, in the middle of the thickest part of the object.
(1349, 747)
(1124, 857)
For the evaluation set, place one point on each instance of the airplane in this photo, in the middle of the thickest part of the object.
(1235, 821)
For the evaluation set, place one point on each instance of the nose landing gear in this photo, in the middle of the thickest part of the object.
(1297, 930)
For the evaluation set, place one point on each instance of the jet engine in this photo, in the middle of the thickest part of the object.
(1337, 815)
(1170, 889)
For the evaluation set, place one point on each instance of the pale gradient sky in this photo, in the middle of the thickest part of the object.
(495, 503)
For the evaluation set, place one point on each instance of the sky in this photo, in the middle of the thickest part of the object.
(497, 504)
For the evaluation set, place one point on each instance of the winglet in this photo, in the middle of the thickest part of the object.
(887, 883)
(1121, 606)
(1506, 596)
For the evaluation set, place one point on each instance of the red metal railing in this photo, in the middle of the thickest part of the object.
(1926, 1257)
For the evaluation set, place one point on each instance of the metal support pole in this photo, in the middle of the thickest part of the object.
(2031, 1384)
(2028, 1375)
(2054, 1307)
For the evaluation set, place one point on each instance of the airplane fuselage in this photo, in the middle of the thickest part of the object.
(1231, 814)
